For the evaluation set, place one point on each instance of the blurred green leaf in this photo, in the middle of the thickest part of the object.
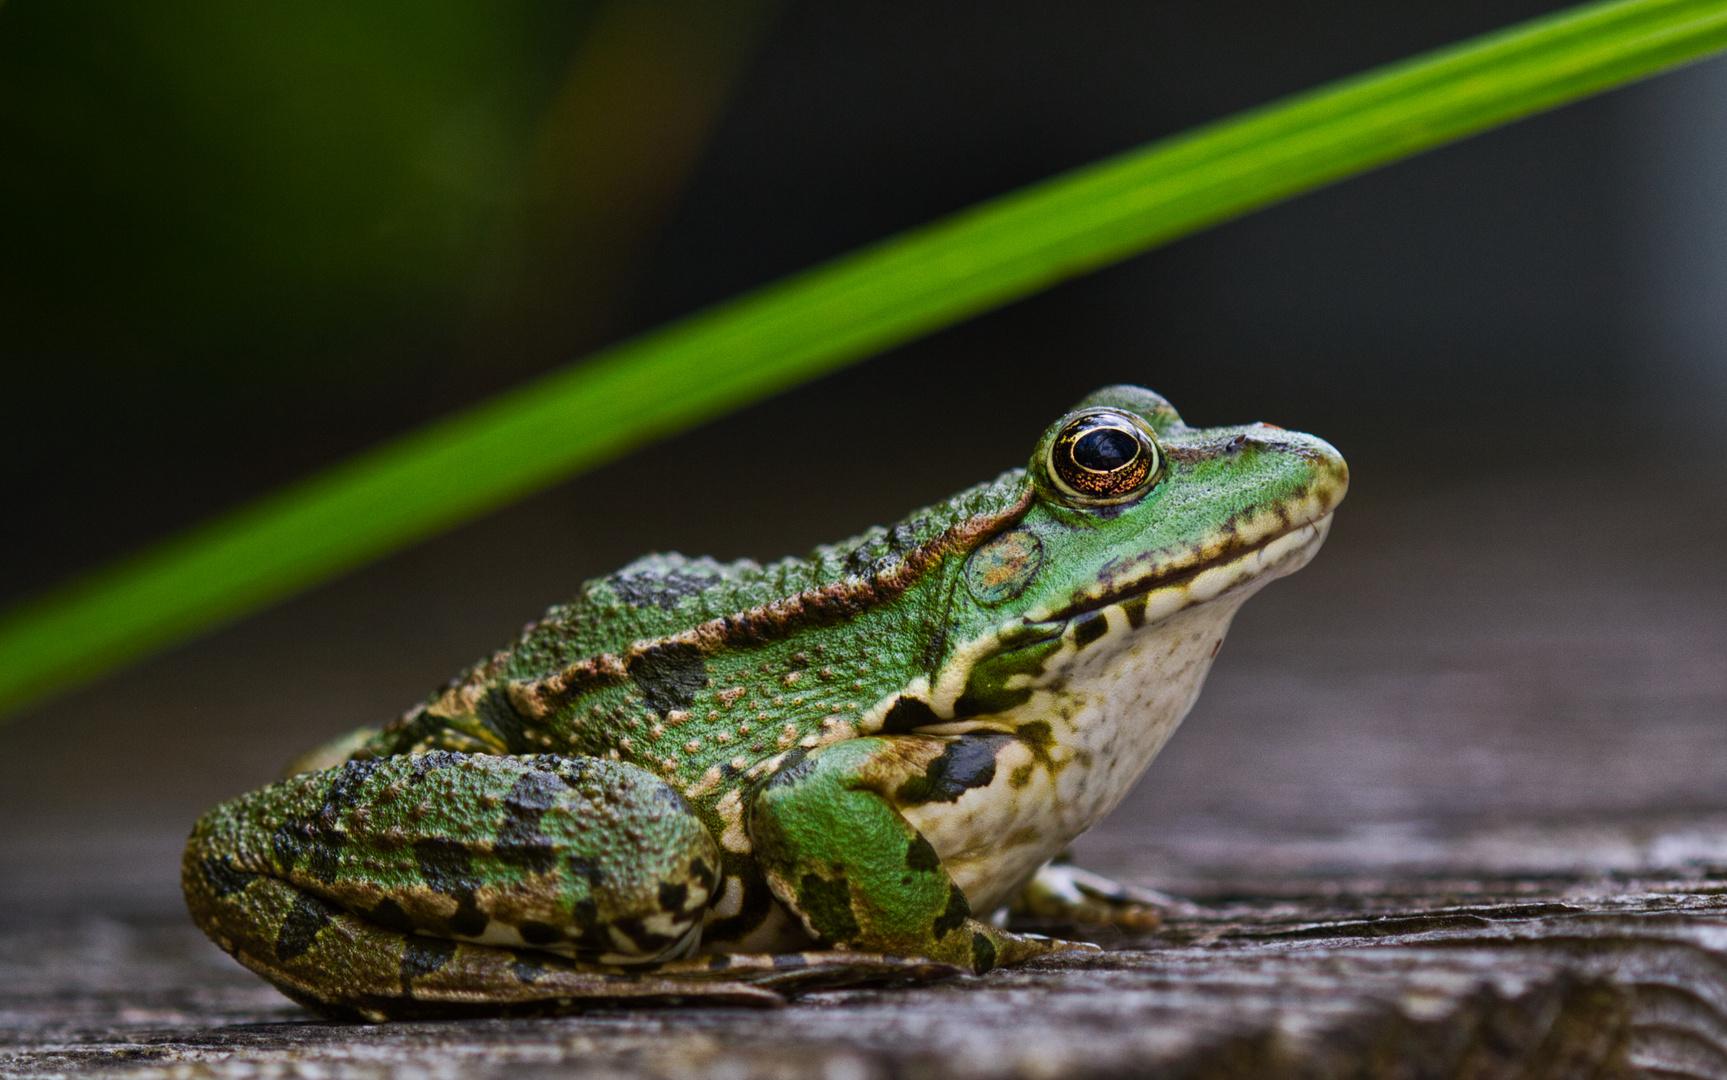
(794, 330)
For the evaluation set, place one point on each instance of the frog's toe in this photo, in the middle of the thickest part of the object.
(806, 972)
(1063, 892)
(1056, 945)
(1017, 948)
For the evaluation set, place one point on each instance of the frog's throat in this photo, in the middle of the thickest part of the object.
(1143, 602)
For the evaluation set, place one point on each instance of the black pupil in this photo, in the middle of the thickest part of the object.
(1105, 449)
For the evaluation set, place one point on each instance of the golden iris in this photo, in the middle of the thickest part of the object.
(1103, 456)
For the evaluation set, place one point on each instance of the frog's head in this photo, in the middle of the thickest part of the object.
(1132, 518)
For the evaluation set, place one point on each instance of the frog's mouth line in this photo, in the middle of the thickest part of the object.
(1277, 555)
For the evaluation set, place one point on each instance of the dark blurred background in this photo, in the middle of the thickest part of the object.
(238, 243)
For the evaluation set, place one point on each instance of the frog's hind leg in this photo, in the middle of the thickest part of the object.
(450, 884)
(346, 967)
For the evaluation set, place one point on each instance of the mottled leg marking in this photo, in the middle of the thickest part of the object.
(841, 858)
(348, 968)
(454, 883)
(1063, 892)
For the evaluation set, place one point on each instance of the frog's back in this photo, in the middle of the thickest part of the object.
(670, 661)
(663, 596)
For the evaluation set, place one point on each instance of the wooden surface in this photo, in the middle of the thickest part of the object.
(1620, 980)
(1453, 806)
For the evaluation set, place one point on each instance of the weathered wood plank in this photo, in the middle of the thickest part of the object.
(1586, 983)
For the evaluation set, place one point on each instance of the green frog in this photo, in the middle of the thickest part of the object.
(728, 781)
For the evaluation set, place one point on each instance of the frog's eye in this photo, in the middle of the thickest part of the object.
(1103, 456)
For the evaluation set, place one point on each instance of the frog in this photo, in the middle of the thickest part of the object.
(732, 782)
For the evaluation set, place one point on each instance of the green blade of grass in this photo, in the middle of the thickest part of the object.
(743, 350)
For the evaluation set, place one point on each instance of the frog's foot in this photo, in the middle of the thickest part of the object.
(1062, 892)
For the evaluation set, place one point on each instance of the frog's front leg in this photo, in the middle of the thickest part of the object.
(1063, 892)
(842, 858)
(451, 883)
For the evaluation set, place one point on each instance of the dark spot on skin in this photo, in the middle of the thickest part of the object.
(1038, 738)
(285, 844)
(538, 933)
(982, 954)
(701, 872)
(647, 942)
(967, 763)
(591, 938)
(572, 771)
(908, 714)
(954, 917)
(390, 915)
(920, 855)
(1134, 606)
(669, 676)
(309, 847)
(672, 897)
(469, 920)
(323, 858)
(527, 967)
(986, 689)
(345, 785)
(719, 961)
(1020, 777)
(585, 911)
(423, 955)
(419, 768)
(222, 879)
(758, 899)
(1089, 627)
(535, 858)
(789, 961)
(587, 870)
(300, 929)
(661, 588)
(530, 797)
(1216, 645)
(827, 905)
(445, 866)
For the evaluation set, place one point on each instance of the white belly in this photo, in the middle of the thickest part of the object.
(1109, 707)
(1112, 710)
